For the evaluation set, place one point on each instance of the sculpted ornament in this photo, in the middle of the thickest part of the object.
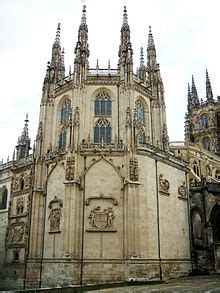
(55, 214)
(164, 185)
(20, 206)
(101, 220)
(70, 168)
(76, 117)
(134, 170)
(182, 191)
(128, 117)
(17, 234)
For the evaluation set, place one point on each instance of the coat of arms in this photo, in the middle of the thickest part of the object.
(101, 220)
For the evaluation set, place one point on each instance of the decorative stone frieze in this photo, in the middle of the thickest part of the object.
(70, 168)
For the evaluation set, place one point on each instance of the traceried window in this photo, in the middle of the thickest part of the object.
(62, 140)
(204, 121)
(140, 112)
(102, 131)
(103, 105)
(65, 110)
(3, 198)
(207, 144)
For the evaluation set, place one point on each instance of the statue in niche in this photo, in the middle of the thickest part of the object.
(55, 214)
(17, 234)
(101, 219)
(164, 184)
(70, 168)
(20, 206)
(134, 169)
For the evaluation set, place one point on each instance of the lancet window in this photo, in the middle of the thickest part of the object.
(204, 121)
(140, 112)
(141, 135)
(62, 140)
(103, 105)
(65, 110)
(3, 198)
(102, 131)
(196, 168)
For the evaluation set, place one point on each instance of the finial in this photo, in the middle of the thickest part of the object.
(83, 20)
(125, 17)
(189, 93)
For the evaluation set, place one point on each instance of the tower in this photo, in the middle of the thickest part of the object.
(202, 118)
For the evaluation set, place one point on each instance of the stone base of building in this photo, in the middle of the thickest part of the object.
(60, 272)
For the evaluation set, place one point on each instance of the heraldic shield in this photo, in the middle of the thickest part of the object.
(101, 220)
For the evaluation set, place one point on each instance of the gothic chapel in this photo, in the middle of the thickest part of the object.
(102, 198)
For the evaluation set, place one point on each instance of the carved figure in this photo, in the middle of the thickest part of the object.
(182, 190)
(54, 217)
(164, 184)
(70, 168)
(55, 214)
(20, 206)
(17, 234)
(134, 169)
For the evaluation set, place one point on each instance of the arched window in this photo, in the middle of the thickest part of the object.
(3, 198)
(65, 110)
(103, 105)
(195, 168)
(62, 140)
(21, 183)
(141, 136)
(215, 221)
(140, 112)
(102, 131)
(207, 144)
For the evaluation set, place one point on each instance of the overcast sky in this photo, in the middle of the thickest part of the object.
(186, 35)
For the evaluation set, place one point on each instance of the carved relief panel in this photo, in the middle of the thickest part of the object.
(182, 191)
(15, 235)
(164, 185)
(55, 215)
(133, 168)
(101, 218)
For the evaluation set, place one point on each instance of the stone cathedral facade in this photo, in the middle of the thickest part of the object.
(101, 198)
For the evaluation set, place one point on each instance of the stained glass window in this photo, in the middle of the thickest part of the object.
(65, 110)
(103, 105)
(62, 140)
(102, 131)
(140, 112)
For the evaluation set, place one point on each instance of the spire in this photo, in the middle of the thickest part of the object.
(23, 145)
(151, 53)
(55, 69)
(81, 50)
(194, 95)
(141, 58)
(209, 95)
(189, 98)
(125, 51)
(141, 72)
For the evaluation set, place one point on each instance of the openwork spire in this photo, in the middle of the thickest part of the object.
(142, 57)
(209, 95)
(83, 20)
(151, 45)
(57, 38)
(125, 18)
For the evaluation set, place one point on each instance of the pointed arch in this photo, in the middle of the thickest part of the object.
(107, 161)
(102, 131)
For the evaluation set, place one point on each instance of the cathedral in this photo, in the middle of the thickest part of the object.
(103, 196)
